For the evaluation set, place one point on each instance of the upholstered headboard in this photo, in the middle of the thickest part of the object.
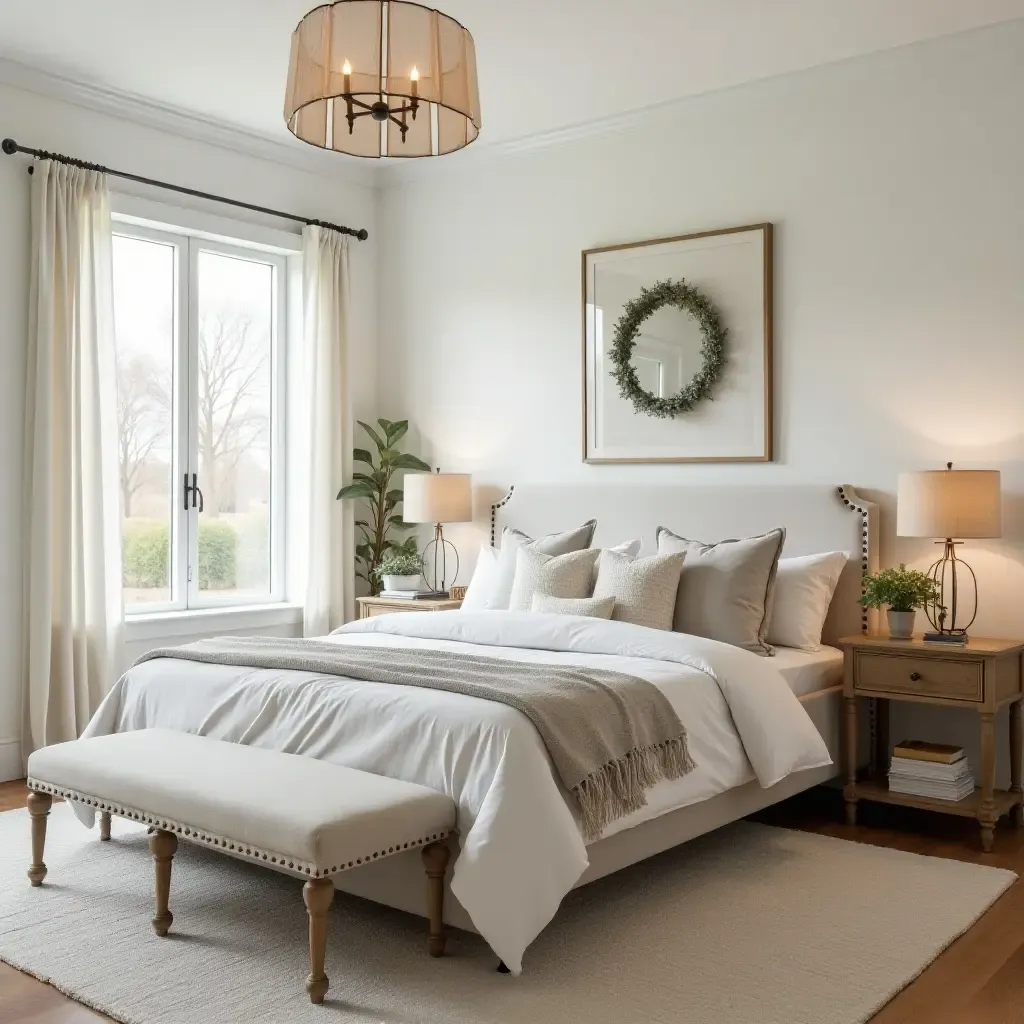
(816, 519)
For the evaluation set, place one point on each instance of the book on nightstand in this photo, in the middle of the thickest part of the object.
(415, 595)
(920, 750)
(930, 769)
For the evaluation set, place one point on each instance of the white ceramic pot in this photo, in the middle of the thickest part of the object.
(901, 624)
(403, 582)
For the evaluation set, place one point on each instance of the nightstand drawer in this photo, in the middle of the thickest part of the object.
(926, 677)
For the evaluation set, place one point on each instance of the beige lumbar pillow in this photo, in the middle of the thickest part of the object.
(726, 589)
(569, 575)
(594, 607)
(644, 589)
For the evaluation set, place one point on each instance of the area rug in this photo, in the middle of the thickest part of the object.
(748, 925)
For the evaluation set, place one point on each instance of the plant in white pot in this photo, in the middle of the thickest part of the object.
(902, 591)
(402, 570)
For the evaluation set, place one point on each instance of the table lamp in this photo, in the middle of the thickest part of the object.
(438, 498)
(952, 503)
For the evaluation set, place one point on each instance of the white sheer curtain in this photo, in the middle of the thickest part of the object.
(330, 576)
(73, 608)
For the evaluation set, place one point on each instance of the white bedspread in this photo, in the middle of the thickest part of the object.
(521, 847)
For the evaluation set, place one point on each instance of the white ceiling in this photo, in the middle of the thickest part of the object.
(544, 64)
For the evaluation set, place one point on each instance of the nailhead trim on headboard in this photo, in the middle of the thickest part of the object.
(494, 512)
(863, 548)
(242, 850)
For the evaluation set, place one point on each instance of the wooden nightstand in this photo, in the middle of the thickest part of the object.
(983, 676)
(370, 606)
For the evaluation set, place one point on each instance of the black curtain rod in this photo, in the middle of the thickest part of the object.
(10, 147)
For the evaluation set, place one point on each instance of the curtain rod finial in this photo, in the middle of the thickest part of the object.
(10, 147)
(362, 234)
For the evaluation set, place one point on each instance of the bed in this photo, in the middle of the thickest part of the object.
(755, 739)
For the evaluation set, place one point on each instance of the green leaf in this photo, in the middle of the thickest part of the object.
(361, 455)
(366, 478)
(400, 524)
(396, 431)
(388, 455)
(394, 496)
(357, 490)
(377, 440)
(406, 461)
(364, 551)
(410, 544)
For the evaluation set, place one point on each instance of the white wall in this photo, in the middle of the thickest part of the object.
(896, 185)
(48, 124)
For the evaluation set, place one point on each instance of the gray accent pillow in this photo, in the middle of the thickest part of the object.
(594, 607)
(570, 575)
(497, 591)
(644, 588)
(727, 589)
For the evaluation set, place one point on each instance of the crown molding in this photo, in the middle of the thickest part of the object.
(186, 124)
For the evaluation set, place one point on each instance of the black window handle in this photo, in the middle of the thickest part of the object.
(194, 491)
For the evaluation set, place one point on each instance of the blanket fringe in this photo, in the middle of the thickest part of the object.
(619, 787)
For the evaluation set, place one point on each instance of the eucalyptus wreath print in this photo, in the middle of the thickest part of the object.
(690, 300)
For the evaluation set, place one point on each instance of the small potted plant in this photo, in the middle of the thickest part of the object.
(903, 591)
(402, 570)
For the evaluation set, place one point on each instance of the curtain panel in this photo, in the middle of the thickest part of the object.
(329, 595)
(73, 607)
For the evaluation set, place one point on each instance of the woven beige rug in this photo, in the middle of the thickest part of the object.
(749, 925)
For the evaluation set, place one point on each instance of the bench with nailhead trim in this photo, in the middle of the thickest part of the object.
(297, 815)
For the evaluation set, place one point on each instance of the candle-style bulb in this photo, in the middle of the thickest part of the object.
(346, 68)
(414, 75)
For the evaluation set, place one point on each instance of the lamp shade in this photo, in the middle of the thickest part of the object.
(960, 503)
(437, 498)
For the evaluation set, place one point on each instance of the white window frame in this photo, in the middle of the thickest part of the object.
(191, 233)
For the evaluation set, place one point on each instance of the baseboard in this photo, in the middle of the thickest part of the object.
(10, 760)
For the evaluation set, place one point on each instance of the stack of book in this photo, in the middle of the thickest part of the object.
(414, 595)
(930, 769)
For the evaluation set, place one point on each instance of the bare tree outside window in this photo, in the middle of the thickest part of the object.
(143, 408)
(233, 410)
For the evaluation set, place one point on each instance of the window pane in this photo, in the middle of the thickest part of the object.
(144, 290)
(236, 317)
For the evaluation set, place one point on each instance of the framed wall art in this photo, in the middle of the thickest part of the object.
(677, 348)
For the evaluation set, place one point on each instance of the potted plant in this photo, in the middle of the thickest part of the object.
(903, 590)
(402, 570)
(374, 487)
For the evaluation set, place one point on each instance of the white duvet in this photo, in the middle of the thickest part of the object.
(521, 846)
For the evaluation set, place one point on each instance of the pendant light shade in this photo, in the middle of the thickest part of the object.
(380, 78)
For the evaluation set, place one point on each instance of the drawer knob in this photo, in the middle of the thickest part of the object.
(914, 676)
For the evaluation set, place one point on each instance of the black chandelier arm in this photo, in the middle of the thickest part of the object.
(379, 110)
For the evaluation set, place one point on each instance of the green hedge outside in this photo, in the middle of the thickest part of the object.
(146, 554)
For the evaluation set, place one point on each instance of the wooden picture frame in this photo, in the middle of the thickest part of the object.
(734, 268)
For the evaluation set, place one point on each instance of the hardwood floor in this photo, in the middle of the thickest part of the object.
(978, 980)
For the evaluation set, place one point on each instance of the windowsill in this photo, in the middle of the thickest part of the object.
(190, 621)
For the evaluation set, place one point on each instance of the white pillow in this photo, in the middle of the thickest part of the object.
(593, 607)
(485, 576)
(803, 592)
(497, 568)
(570, 575)
(644, 588)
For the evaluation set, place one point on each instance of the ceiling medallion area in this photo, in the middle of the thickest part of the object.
(382, 78)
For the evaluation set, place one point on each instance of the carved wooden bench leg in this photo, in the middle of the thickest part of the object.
(317, 894)
(163, 845)
(39, 809)
(435, 860)
(105, 827)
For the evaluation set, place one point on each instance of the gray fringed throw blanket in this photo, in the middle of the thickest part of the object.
(610, 736)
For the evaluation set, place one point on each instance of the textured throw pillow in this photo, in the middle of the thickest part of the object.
(570, 575)
(644, 588)
(726, 589)
(594, 607)
(803, 592)
(629, 548)
(552, 544)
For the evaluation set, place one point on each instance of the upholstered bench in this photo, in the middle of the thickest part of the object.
(304, 817)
